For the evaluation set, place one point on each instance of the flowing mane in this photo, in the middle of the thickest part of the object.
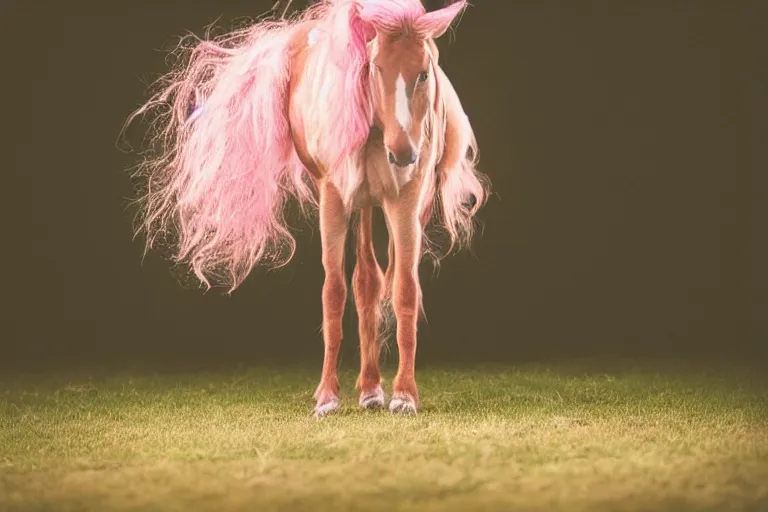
(343, 101)
(221, 163)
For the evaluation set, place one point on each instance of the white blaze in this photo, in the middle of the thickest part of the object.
(402, 108)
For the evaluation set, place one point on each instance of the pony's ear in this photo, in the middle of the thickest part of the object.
(363, 23)
(368, 32)
(434, 24)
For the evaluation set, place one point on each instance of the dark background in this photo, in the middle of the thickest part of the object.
(625, 141)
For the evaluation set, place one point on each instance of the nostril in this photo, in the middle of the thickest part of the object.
(402, 158)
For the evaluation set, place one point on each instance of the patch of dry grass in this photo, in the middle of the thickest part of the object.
(567, 437)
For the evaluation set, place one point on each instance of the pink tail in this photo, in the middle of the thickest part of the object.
(219, 178)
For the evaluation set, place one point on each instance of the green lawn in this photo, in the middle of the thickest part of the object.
(562, 437)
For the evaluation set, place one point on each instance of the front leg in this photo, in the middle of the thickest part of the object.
(334, 223)
(368, 284)
(406, 232)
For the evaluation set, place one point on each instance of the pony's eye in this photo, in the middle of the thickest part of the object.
(423, 76)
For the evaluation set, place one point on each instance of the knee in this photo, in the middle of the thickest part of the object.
(405, 296)
(367, 282)
(334, 291)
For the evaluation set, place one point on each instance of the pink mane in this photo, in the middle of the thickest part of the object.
(391, 15)
(217, 181)
(222, 164)
(348, 107)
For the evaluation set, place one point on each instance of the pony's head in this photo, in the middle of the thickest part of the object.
(402, 58)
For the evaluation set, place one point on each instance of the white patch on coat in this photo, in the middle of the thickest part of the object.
(402, 106)
(313, 36)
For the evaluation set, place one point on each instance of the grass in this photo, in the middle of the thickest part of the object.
(564, 437)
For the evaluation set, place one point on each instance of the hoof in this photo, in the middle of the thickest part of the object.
(402, 403)
(329, 406)
(373, 399)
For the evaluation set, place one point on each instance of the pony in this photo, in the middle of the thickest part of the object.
(341, 108)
